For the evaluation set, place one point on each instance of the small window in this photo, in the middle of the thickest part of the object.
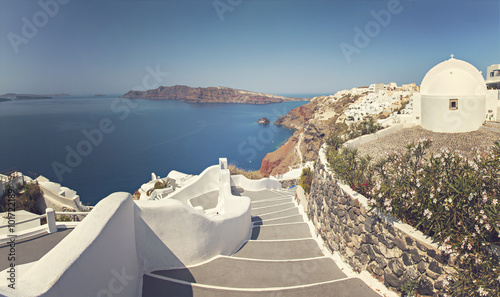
(453, 104)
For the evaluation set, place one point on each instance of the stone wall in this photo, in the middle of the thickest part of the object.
(393, 252)
(290, 183)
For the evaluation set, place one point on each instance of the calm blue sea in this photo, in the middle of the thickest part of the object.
(100, 145)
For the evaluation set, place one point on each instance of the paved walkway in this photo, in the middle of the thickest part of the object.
(281, 260)
(32, 248)
(298, 146)
(466, 143)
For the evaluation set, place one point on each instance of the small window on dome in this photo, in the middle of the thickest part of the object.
(453, 104)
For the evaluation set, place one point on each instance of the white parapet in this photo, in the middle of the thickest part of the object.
(57, 196)
(126, 237)
(255, 185)
(103, 245)
(51, 220)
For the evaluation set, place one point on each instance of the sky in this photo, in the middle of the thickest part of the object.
(85, 47)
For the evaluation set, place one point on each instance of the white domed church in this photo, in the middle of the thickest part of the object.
(453, 98)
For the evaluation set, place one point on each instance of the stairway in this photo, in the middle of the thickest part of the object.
(281, 260)
(491, 126)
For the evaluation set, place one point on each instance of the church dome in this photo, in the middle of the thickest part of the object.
(453, 77)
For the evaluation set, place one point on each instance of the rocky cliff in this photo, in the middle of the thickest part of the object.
(208, 95)
(313, 123)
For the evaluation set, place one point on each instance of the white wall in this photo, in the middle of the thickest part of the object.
(206, 182)
(417, 108)
(58, 199)
(437, 117)
(354, 143)
(86, 261)
(171, 234)
(187, 237)
(121, 236)
(492, 104)
(254, 185)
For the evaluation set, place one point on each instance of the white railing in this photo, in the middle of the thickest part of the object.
(51, 226)
(279, 176)
(25, 221)
(24, 233)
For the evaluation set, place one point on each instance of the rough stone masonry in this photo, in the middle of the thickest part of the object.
(368, 242)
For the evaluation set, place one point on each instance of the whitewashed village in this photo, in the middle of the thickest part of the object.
(220, 234)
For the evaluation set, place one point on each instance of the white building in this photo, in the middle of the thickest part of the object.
(453, 98)
(373, 103)
(409, 87)
(375, 88)
(392, 86)
(493, 77)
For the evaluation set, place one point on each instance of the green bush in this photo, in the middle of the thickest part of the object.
(63, 218)
(345, 133)
(362, 128)
(335, 141)
(306, 179)
(3, 201)
(29, 199)
(350, 168)
(408, 288)
(246, 173)
(160, 185)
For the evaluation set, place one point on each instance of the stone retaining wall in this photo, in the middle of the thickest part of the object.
(290, 183)
(393, 252)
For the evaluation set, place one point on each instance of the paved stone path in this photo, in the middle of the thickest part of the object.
(281, 260)
(298, 147)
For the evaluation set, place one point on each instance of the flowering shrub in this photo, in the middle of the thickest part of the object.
(352, 169)
(345, 161)
(447, 196)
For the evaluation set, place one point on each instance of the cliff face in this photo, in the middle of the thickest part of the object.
(297, 117)
(314, 122)
(278, 161)
(208, 95)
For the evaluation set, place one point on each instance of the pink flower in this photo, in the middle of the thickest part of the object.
(482, 292)
(428, 214)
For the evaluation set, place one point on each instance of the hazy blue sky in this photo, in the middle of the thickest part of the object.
(104, 46)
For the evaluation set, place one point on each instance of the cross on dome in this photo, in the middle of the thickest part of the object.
(452, 56)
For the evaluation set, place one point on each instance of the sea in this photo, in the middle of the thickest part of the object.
(101, 145)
